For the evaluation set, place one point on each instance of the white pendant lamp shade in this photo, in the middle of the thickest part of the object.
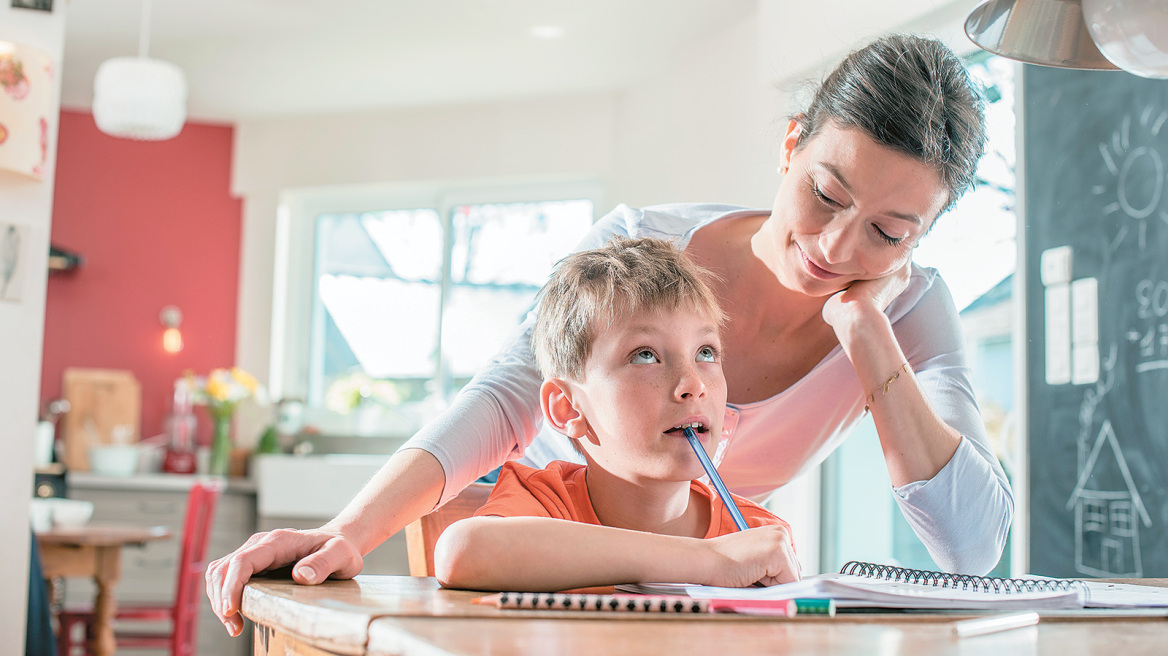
(1132, 34)
(139, 98)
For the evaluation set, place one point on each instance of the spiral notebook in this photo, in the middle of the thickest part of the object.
(868, 585)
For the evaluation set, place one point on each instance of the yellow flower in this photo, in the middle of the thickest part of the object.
(217, 389)
(244, 378)
(223, 389)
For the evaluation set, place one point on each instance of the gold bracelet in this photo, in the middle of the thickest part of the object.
(871, 397)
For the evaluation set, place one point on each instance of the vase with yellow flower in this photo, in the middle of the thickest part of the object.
(222, 391)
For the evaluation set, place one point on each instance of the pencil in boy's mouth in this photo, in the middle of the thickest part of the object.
(698, 427)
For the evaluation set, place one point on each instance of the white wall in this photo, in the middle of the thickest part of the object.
(564, 136)
(703, 130)
(27, 203)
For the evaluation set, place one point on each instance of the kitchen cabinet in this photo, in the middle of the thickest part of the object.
(306, 491)
(149, 572)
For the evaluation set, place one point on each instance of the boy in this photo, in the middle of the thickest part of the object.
(627, 340)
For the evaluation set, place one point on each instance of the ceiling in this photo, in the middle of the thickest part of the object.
(255, 58)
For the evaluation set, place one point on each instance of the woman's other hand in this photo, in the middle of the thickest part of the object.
(317, 555)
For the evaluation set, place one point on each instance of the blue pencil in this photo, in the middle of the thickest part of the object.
(715, 479)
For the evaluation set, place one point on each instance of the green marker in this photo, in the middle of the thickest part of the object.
(815, 607)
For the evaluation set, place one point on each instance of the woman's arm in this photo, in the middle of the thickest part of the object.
(546, 554)
(947, 480)
(916, 442)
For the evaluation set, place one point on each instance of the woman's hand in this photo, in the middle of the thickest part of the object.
(334, 549)
(757, 555)
(317, 555)
(849, 305)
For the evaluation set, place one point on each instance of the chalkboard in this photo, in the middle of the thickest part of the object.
(1095, 152)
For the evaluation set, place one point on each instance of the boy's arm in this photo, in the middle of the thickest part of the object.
(544, 554)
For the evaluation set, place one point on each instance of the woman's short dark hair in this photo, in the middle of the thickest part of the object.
(911, 94)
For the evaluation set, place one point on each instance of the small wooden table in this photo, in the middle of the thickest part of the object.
(94, 552)
(401, 615)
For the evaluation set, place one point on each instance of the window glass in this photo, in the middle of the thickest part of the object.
(378, 279)
(408, 304)
(501, 256)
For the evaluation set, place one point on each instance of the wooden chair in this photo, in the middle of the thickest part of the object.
(183, 612)
(423, 533)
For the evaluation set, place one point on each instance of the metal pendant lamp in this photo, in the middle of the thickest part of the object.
(1047, 32)
(139, 97)
(1129, 35)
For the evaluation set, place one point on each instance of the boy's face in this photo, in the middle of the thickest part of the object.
(647, 375)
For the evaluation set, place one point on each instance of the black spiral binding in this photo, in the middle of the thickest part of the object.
(992, 584)
(570, 601)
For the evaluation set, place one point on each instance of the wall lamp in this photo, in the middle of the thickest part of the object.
(172, 340)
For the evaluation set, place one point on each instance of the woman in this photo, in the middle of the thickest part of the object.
(827, 319)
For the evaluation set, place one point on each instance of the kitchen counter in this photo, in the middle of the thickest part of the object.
(153, 481)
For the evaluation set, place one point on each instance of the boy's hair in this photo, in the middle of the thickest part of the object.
(590, 289)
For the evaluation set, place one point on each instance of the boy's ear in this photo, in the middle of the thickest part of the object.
(556, 397)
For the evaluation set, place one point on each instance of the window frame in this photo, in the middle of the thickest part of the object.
(293, 288)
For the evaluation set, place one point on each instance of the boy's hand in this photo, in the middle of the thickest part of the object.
(758, 555)
(317, 555)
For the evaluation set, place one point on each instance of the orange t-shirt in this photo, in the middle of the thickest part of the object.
(559, 491)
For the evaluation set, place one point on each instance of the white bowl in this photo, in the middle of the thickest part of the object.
(40, 514)
(71, 513)
(114, 460)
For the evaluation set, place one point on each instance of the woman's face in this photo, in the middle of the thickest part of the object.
(848, 209)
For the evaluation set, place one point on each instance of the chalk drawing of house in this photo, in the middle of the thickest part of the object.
(1107, 537)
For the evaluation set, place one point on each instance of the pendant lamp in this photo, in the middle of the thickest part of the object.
(1129, 35)
(138, 97)
(1132, 34)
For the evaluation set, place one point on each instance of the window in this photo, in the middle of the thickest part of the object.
(1094, 516)
(1121, 519)
(389, 300)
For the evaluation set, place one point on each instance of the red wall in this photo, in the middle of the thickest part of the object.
(157, 225)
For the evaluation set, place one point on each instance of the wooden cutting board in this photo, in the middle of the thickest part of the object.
(105, 397)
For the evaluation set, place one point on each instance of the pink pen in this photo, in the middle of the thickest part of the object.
(772, 607)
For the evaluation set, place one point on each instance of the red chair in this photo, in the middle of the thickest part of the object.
(184, 612)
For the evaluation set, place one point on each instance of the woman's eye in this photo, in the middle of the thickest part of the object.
(892, 241)
(644, 356)
(818, 191)
(707, 354)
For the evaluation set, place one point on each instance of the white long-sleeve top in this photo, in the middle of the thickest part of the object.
(962, 514)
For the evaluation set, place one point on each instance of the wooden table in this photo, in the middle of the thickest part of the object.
(400, 615)
(94, 552)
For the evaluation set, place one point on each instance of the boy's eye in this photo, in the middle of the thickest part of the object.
(644, 356)
(707, 354)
